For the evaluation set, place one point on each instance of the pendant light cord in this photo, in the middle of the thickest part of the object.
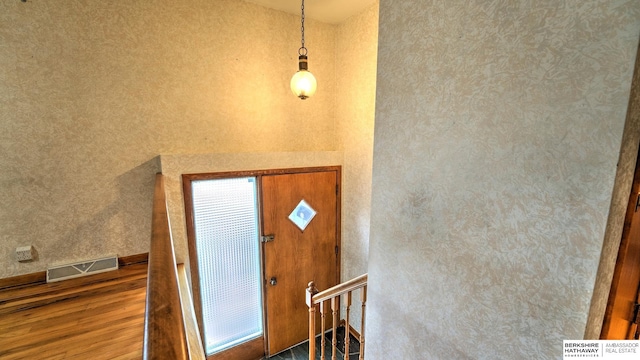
(303, 49)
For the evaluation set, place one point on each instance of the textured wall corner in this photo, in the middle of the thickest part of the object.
(357, 50)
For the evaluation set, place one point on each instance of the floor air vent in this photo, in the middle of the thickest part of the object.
(83, 268)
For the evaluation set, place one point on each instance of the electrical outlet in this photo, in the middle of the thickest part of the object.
(24, 253)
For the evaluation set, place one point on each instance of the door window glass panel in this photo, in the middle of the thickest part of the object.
(228, 247)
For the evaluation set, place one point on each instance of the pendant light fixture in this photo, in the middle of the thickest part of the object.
(303, 83)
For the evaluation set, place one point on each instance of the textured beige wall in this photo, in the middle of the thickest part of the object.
(498, 128)
(356, 57)
(357, 46)
(91, 92)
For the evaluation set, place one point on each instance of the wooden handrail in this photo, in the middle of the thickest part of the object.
(340, 289)
(164, 331)
(316, 299)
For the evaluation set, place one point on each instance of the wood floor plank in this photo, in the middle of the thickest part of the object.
(122, 274)
(48, 320)
(24, 303)
(70, 310)
(94, 327)
(101, 318)
(120, 343)
(102, 324)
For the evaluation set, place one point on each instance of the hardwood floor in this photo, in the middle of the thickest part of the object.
(95, 317)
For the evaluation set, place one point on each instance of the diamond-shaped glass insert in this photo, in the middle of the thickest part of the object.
(302, 215)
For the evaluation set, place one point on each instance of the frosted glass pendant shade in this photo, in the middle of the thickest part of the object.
(303, 84)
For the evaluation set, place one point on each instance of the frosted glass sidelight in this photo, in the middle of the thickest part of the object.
(228, 247)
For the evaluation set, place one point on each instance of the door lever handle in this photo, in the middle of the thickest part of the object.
(273, 281)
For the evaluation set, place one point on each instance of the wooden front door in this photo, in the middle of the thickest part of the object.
(618, 322)
(295, 256)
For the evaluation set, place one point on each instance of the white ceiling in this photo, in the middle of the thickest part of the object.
(329, 11)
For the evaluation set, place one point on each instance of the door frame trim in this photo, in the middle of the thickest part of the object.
(190, 227)
(623, 255)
